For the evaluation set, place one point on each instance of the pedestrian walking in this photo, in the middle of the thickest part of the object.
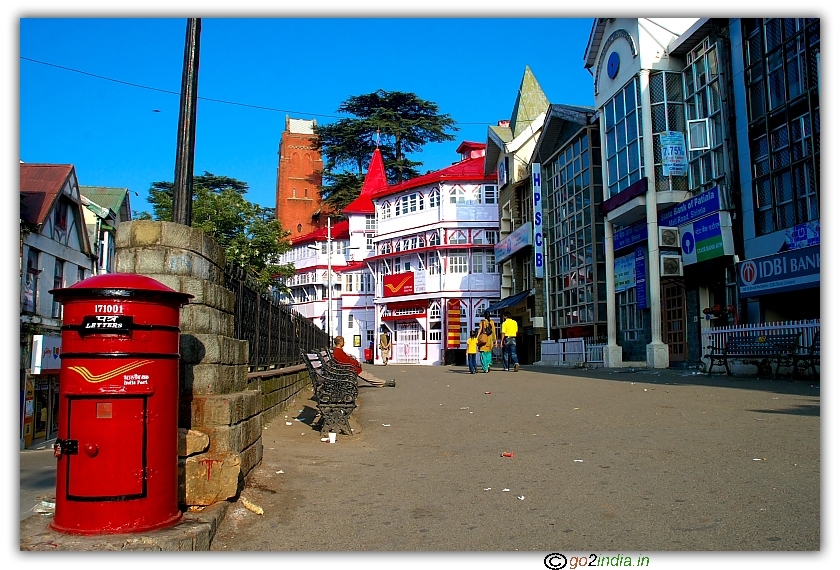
(344, 358)
(486, 340)
(384, 346)
(509, 331)
(472, 351)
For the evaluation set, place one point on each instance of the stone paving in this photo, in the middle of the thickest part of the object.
(600, 460)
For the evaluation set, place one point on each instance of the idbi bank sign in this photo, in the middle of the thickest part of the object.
(787, 271)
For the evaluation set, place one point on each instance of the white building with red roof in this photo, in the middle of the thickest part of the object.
(434, 265)
(415, 260)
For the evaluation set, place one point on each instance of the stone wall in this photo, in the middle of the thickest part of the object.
(221, 410)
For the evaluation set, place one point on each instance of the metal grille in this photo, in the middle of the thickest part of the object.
(407, 345)
(275, 334)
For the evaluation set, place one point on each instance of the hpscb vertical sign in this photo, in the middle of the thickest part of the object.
(536, 182)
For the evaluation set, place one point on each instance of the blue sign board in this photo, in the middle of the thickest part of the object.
(520, 238)
(641, 278)
(630, 235)
(803, 235)
(539, 269)
(692, 209)
(786, 271)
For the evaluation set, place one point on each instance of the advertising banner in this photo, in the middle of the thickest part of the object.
(674, 158)
(539, 269)
(520, 238)
(787, 271)
(640, 268)
(692, 209)
(453, 323)
(625, 272)
(707, 238)
(398, 284)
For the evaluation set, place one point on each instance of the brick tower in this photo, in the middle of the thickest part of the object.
(298, 178)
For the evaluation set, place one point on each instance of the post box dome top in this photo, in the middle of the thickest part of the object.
(121, 285)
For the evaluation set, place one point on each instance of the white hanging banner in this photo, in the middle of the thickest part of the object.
(536, 182)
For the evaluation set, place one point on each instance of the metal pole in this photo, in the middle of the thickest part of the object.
(185, 153)
(329, 278)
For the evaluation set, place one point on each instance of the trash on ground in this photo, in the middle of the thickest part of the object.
(507, 454)
(303, 434)
(521, 497)
(252, 507)
(470, 412)
(467, 408)
(299, 411)
(488, 392)
(386, 425)
(488, 488)
(195, 508)
(281, 471)
(505, 489)
(645, 389)
(266, 427)
(325, 439)
(538, 415)
(760, 459)
(288, 423)
(578, 460)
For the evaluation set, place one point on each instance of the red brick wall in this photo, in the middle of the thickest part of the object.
(298, 180)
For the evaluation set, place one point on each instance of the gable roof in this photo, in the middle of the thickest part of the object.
(341, 230)
(112, 198)
(530, 103)
(469, 169)
(40, 186)
(375, 180)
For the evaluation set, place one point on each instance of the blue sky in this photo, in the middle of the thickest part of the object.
(301, 67)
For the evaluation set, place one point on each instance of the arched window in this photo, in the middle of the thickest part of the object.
(434, 198)
(385, 211)
(300, 228)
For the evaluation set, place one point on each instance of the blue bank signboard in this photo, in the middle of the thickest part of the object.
(786, 271)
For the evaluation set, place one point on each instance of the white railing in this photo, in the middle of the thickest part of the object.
(717, 336)
(570, 350)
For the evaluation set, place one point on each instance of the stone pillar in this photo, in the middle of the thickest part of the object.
(657, 351)
(612, 352)
(214, 397)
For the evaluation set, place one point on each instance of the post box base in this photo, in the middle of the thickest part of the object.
(124, 528)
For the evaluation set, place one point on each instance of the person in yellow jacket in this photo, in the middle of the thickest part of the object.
(472, 350)
(486, 350)
(509, 332)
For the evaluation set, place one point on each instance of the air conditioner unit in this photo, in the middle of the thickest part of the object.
(670, 265)
(669, 237)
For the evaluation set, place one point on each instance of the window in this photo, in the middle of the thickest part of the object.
(61, 215)
(434, 239)
(81, 274)
(369, 242)
(457, 261)
(397, 265)
(703, 112)
(434, 198)
(478, 261)
(458, 237)
(385, 211)
(30, 284)
(667, 114)
(457, 195)
(58, 283)
(406, 205)
(434, 311)
(348, 282)
(433, 264)
(629, 317)
(490, 261)
(490, 196)
(350, 323)
(782, 79)
(623, 138)
(370, 222)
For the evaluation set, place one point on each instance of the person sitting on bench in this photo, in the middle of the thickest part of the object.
(343, 358)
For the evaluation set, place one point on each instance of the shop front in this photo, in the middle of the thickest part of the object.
(39, 418)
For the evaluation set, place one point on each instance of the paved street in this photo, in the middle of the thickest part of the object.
(37, 479)
(628, 462)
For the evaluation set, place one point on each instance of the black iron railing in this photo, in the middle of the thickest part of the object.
(275, 333)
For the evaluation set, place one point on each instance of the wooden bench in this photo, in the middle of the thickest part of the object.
(809, 360)
(335, 394)
(760, 349)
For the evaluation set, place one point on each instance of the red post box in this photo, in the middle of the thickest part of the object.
(117, 444)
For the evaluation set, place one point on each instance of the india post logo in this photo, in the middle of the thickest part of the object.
(748, 273)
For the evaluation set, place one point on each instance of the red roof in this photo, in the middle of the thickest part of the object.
(351, 266)
(40, 185)
(341, 230)
(470, 169)
(375, 180)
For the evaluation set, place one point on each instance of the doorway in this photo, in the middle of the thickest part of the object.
(406, 343)
(674, 320)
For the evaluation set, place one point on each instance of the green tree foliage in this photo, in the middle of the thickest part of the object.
(397, 122)
(250, 234)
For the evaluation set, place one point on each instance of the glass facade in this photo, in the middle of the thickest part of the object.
(575, 233)
(623, 138)
(667, 114)
(781, 57)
